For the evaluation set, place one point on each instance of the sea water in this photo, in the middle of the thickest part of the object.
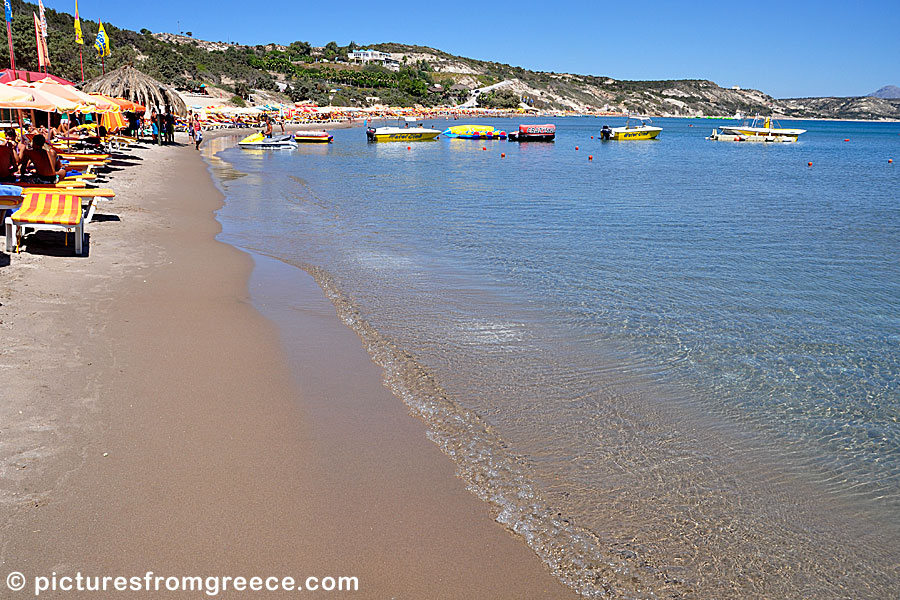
(671, 366)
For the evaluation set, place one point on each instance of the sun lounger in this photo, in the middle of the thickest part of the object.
(83, 165)
(48, 210)
(11, 199)
(77, 156)
(63, 184)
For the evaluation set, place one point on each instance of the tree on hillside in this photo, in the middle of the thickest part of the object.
(504, 98)
(300, 48)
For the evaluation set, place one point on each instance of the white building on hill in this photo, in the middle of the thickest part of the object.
(370, 56)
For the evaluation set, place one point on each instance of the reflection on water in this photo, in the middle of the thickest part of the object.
(673, 369)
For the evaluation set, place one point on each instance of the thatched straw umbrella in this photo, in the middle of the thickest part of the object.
(128, 82)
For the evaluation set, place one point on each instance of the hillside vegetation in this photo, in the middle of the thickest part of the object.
(426, 76)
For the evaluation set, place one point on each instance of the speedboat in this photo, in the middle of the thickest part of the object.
(759, 129)
(258, 140)
(306, 137)
(636, 128)
(474, 132)
(401, 134)
(534, 133)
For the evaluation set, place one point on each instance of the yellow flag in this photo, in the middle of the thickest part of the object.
(102, 42)
(78, 38)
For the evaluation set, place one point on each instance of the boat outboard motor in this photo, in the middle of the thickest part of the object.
(605, 132)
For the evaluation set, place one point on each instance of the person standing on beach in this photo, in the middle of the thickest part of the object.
(154, 127)
(190, 125)
(170, 127)
(198, 134)
(160, 127)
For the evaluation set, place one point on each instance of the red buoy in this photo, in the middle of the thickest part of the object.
(576, 147)
(809, 164)
(409, 147)
(847, 139)
(483, 148)
(590, 157)
(592, 137)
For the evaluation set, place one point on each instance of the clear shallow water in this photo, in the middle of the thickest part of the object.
(673, 369)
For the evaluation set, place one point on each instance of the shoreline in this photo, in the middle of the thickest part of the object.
(165, 427)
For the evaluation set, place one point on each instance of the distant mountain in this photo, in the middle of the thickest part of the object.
(888, 91)
(867, 108)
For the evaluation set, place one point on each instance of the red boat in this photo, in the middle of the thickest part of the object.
(533, 133)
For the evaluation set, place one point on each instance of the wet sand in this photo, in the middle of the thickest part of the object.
(151, 419)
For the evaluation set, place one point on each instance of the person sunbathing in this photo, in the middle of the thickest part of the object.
(8, 158)
(47, 165)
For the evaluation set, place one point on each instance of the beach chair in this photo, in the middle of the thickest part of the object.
(11, 199)
(90, 197)
(56, 210)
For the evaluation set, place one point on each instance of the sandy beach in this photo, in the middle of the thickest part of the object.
(149, 419)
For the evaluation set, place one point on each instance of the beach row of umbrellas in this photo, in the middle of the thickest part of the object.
(48, 95)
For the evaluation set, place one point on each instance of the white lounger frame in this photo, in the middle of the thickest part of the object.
(15, 230)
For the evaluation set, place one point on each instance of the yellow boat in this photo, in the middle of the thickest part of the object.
(767, 131)
(636, 128)
(401, 134)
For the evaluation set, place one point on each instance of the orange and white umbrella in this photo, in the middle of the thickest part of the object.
(40, 100)
(11, 97)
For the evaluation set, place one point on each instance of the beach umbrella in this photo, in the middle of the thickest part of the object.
(128, 82)
(10, 96)
(112, 120)
(109, 104)
(68, 92)
(41, 100)
(129, 105)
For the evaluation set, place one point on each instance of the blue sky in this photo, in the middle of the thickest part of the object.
(824, 48)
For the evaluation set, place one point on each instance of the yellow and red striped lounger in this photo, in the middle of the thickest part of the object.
(48, 210)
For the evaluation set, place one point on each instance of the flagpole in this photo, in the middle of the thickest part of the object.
(81, 60)
(12, 56)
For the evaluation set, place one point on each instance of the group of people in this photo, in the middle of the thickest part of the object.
(35, 159)
(162, 127)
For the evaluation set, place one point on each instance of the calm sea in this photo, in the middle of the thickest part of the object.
(674, 369)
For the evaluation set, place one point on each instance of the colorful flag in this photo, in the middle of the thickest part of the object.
(8, 11)
(78, 37)
(43, 18)
(102, 42)
(39, 40)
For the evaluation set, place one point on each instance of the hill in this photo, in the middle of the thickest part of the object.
(864, 107)
(419, 75)
(888, 91)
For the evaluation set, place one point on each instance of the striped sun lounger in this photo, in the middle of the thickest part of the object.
(48, 210)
